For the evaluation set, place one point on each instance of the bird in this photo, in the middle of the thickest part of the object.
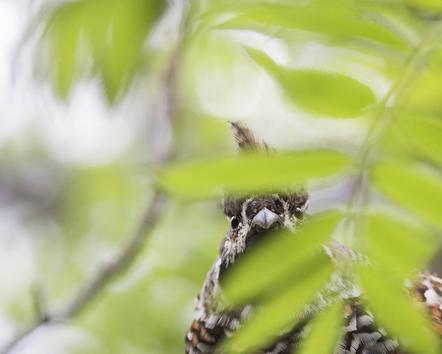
(252, 217)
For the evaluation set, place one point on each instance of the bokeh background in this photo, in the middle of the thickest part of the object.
(77, 153)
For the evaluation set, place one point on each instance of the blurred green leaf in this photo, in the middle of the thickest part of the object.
(425, 132)
(325, 330)
(249, 172)
(336, 19)
(413, 187)
(65, 39)
(319, 92)
(279, 313)
(287, 252)
(398, 245)
(111, 33)
(424, 94)
(169, 273)
(428, 5)
(107, 192)
(395, 311)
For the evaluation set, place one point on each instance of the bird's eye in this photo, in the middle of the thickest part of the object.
(234, 222)
(298, 213)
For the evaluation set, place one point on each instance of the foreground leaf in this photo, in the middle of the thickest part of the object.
(279, 313)
(413, 187)
(336, 20)
(396, 312)
(249, 173)
(290, 254)
(110, 34)
(339, 95)
(425, 132)
(397, 245)
(425, 5)
(325, 331)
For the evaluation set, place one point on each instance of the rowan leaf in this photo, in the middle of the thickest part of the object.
(233, 174)
(289, 253)
(279, 313)
(414, 187)
(397, 245)
(325, 331)
(394, 310)
(340, 96)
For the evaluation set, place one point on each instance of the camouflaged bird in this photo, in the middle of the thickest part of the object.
(251, 218)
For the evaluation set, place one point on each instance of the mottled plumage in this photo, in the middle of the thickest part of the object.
(253, 217)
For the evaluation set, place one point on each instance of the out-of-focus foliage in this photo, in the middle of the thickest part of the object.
(377, 62)
(204, 179)
(106, 37)
(415, 187)
(305, 86)
(308, 242)
(391, 306)
(324, 331)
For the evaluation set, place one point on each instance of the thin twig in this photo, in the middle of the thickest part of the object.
(412, 67)
(121, 263)
(92, 288)
(96, 285)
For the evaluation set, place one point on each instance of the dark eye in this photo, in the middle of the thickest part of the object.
(234, 222)
(298, 213)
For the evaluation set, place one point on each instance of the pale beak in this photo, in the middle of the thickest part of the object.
(265, 218)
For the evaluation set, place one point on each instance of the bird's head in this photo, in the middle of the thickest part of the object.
(253, 217)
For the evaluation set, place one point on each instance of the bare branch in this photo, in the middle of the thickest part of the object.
(163, 153)
(97, 284)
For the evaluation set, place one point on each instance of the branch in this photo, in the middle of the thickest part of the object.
(92, 288)
(163, 151)
(411, 68)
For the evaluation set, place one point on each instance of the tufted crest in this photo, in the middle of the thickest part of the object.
(245, 138)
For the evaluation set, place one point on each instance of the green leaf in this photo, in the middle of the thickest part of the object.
(413, 187)
(425, 5)
(336, 20)
(111, 33)
(63, 32)
(396, 312)
(289, 254)
(424, 94)
(425, 132)
(249, 173)
(398, 245)
(325, 331)
(319, 92)
(278, 313)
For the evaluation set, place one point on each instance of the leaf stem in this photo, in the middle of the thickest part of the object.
(86, 293)
(384, 116)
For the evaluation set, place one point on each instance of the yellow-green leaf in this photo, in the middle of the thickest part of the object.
(394, 310)
(108, 34)
(325, 331)
(289, 254)
(397, 245)
(423, 95)
(319, 92)
(425, 5)
(425, 133)
(336, 20)
(414, 187)
(278, 313)
(249, 173)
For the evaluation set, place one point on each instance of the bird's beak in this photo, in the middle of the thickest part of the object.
(265, 218)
